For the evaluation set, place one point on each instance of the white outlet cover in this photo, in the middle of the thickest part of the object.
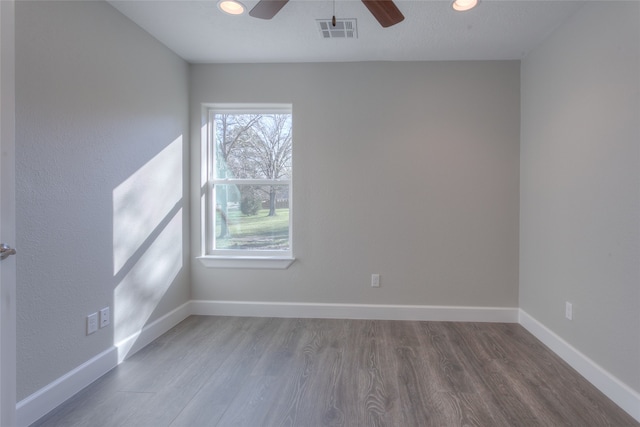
(104, 317)
(375, 280)
(568, 311)
(92, 323)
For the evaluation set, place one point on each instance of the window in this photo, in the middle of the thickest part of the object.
(249, 187)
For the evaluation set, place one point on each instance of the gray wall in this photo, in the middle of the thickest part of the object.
(102, 121)
(409, 170)
(580, 185)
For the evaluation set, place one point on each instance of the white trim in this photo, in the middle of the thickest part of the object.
(249, 108)
(625, 397)
(40, 403)
(221, 257)
(354, 311)
(8, 212)
(135, 342)
(49, 397)
(34, 407)
(269, 263)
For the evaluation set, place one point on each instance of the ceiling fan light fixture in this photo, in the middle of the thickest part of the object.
(464, 5)
(231, 7)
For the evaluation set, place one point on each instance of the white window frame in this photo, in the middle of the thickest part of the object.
(225, 258)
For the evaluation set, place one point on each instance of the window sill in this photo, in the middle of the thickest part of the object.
(270, 263)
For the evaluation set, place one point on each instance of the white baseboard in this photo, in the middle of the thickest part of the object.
(612, 387)
(354, 311)
(135, 342)
(49, 397)
(34, 407)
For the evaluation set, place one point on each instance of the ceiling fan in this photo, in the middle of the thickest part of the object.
(385, 11)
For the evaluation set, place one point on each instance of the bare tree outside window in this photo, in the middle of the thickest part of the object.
(230, 131)
(269, 151)
(252, 177)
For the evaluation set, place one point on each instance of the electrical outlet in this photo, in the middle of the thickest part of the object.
(375, 280)
(568, 310)
(104, 317)
(92, 323)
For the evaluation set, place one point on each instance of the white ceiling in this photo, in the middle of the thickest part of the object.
(496, 29)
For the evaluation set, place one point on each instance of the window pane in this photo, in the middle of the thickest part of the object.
(251, 217)
(253, 146)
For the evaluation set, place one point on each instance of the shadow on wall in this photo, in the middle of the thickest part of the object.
(147, 242)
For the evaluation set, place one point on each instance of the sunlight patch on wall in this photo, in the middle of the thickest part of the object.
(148, 241)
(140, 291)
(144, 200)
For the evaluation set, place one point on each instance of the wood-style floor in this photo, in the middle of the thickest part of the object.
(228, 371)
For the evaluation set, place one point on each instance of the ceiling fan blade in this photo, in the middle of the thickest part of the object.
(385, 11)
(267, 9)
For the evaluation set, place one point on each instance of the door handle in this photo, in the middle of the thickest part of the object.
(6, 251)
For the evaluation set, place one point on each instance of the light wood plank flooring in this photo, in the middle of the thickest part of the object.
(231, 371)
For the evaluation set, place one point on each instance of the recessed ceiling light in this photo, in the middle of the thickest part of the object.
(464, 5)
(232, 7)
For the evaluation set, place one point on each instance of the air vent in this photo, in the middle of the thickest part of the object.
(344, 29)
